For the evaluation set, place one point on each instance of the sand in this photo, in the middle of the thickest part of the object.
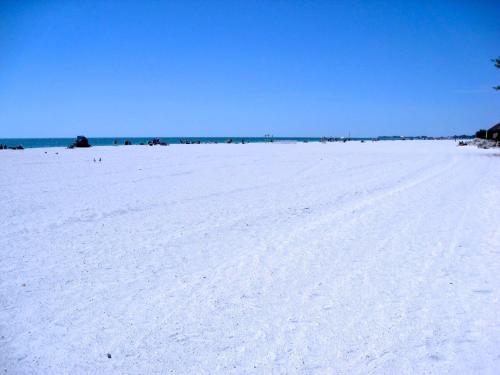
(355, 258)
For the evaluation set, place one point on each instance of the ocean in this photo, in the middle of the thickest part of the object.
(109, 141)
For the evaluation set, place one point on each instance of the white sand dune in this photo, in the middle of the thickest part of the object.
(373, 258)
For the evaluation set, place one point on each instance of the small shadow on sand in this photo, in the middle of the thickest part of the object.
(482, 291)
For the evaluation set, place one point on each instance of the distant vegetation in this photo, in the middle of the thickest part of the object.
(481, 134)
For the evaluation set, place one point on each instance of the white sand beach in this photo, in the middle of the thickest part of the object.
(355, 258)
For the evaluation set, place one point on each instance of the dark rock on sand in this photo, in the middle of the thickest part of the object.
(80, 141)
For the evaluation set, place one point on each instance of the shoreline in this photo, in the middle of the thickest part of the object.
(30, 143)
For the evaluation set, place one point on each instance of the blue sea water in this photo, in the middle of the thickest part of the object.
(64, 142)
(109, 141)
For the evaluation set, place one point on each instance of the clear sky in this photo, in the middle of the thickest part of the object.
(213, 68)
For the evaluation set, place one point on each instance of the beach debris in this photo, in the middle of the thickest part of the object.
(109, 355)
(189, 141)
(157, 141)
(80, 141)
(5, 147)
(484, 143)
(329, 139)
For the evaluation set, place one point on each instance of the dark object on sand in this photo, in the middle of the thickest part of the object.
(80, 141)
(230, 140)
(109, 355)
(156, 141)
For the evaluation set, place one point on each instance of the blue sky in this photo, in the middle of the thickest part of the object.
(212, 68)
